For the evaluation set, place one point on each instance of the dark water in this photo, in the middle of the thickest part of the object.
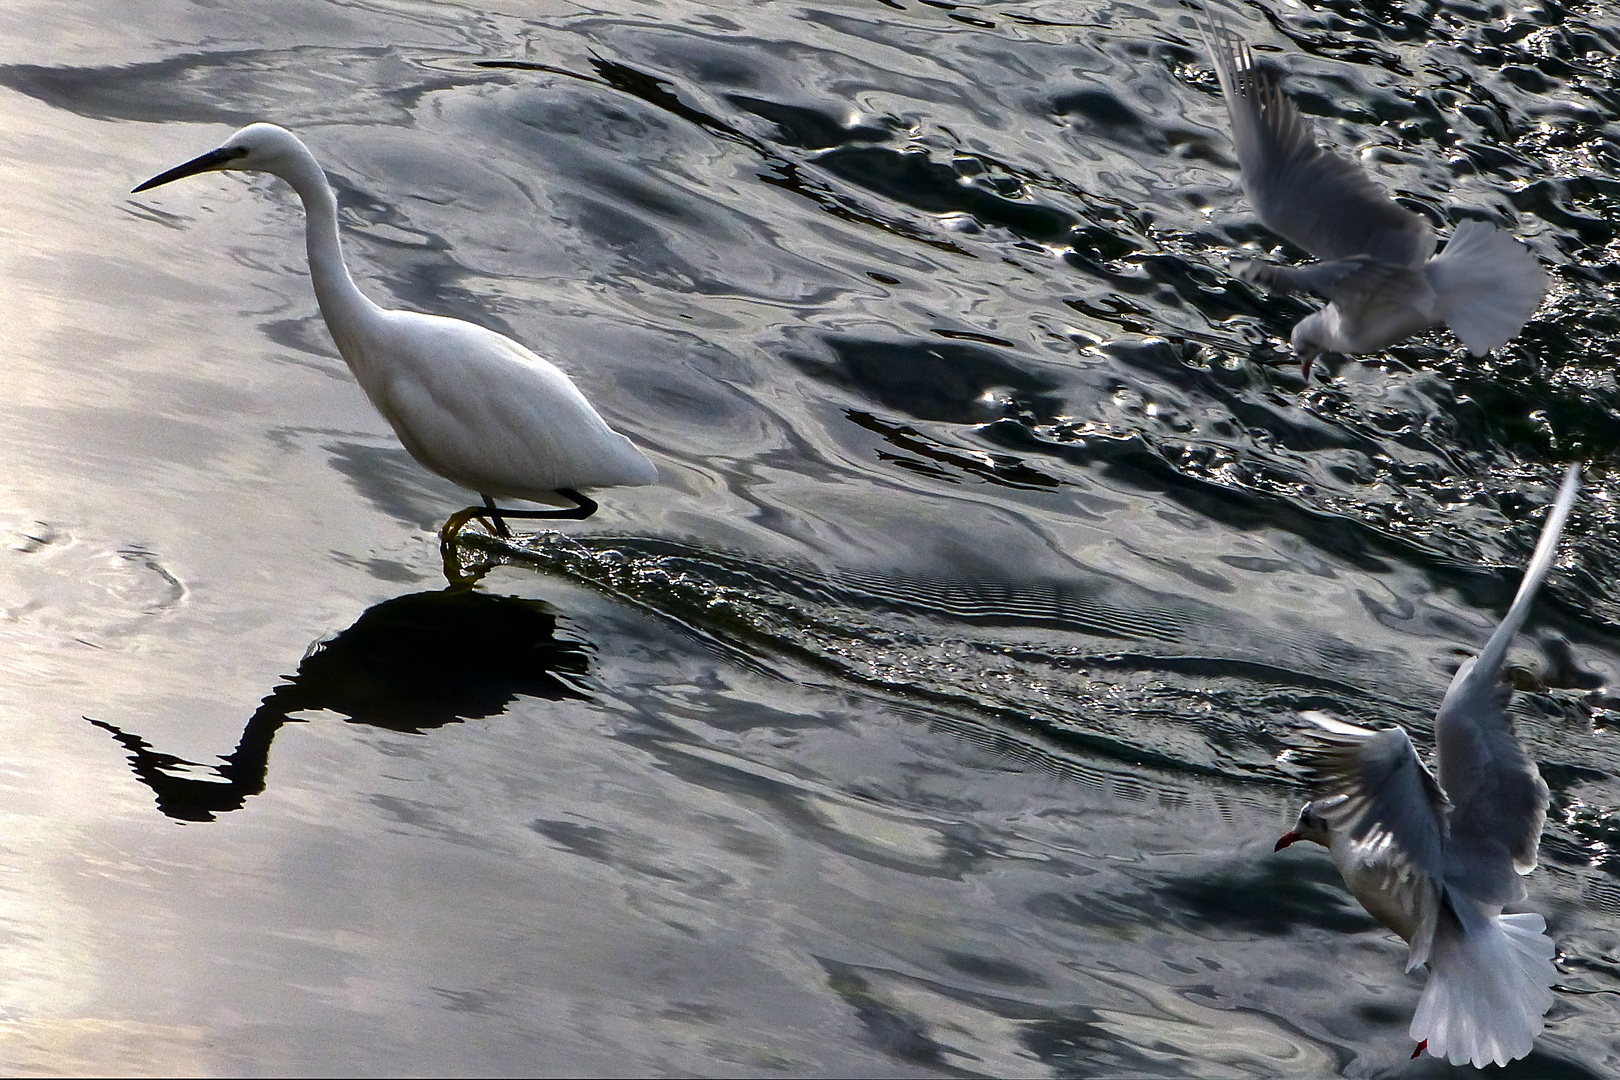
(930, 717)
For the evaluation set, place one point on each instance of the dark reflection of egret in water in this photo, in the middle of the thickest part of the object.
(408, 664)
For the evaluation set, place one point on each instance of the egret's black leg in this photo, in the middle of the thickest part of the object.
(583, 508)
(495, 518)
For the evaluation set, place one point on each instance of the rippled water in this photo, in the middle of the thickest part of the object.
(927, 718)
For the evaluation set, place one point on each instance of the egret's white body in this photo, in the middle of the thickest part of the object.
(472, 405)
(1435, 861)
(1378, 269)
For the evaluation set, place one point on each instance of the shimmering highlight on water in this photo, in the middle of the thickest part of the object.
(933, 715)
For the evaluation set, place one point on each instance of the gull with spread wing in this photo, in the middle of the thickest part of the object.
(1436, 861)
(1378, 269)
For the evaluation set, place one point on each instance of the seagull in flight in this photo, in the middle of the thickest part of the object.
(1436, 860)
(1377, 264)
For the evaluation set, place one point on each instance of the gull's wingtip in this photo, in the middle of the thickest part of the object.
(1570, 486)
(1494, 654)
(1335, 726)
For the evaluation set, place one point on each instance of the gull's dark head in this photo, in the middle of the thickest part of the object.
(1311, 825)
(255, 148)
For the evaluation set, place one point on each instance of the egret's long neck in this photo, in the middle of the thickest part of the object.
(346, 309)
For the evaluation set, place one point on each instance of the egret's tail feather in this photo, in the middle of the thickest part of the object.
(1488, 285)
(1489, 986)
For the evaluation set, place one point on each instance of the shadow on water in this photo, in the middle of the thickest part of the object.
(933, 381)
(1267, 898)
(409, 664)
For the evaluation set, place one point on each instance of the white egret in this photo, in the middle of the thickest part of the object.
(1435, 862)
(1376, 271)
(472, 405)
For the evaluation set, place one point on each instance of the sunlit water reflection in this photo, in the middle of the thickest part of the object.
(930, 716)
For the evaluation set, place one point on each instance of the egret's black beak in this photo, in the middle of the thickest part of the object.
(1289, 837)
(214, 159)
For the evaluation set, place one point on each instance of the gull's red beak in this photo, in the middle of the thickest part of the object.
(1306, 359)
(1287, 838)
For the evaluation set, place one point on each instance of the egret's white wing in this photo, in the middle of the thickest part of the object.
(482, 410)
(1499, 799)
(1389, 797)
(1311, 196)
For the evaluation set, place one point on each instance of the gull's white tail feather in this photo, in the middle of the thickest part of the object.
(1490, 981)
(1488, 285)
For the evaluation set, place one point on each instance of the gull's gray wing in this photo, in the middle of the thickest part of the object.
(1317, 277)
(1311, 196)
(1389, 796)
(1356, 284)
(1499, 799)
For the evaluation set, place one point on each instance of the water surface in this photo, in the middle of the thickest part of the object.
(931, 716)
